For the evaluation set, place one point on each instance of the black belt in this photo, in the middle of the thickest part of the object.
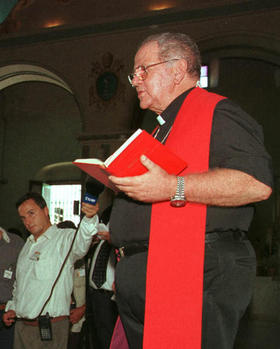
(132, 249)
(228, 235)
(35, 322)
(101, 290)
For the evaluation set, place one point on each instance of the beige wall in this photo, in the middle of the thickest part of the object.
(246, 44)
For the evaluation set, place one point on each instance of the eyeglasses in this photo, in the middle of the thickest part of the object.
(141, 71)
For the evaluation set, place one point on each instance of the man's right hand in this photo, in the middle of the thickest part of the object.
(9, 317)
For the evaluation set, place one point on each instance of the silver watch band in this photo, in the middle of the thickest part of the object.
(179, 199)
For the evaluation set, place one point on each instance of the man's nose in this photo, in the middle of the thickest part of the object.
(27, 221)
(136, 81)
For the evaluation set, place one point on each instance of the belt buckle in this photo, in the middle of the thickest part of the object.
(121, 252)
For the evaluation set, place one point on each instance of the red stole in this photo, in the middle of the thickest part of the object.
(173, 313)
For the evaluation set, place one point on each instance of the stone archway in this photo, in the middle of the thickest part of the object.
(13, 74)
(40, 120)
(19, 73)
(241, 44)
(238, 45)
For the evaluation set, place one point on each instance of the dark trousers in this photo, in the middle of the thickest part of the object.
(229, 275)
(6, 334)
(104, 316)
(130, 295)
(228, 284)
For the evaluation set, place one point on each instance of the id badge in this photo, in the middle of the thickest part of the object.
(8, 274)
(35, 256)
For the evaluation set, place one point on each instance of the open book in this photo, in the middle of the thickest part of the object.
(125, 161)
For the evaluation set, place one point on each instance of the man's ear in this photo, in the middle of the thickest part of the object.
(46, 210)
(180, 70)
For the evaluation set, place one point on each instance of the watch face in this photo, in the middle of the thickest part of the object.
(178, 203)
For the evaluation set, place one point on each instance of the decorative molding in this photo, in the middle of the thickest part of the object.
(160, 18)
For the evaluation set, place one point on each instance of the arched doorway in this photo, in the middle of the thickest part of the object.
(17, 73)
(40, 120)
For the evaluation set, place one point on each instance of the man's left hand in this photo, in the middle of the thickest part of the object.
(104, 235)
(76, 314)
(153, 186)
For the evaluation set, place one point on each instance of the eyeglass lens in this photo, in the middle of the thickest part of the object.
(140, 72)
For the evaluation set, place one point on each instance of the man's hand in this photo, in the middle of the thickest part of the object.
(153, 186)
(9, 317)
(104, 235)
(215, 187)
(76, 314)
(89, 210)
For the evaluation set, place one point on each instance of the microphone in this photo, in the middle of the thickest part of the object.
(93, 190)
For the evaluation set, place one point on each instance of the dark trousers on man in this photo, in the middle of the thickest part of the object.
(130, 296)
(104, 316)
(6, 334)
(229, 273)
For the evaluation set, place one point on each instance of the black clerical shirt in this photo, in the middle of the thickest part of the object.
(236, 143)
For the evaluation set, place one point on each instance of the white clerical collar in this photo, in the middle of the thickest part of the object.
(160, 120)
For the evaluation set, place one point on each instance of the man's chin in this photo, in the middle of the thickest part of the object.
(144, 105)
(34, 232)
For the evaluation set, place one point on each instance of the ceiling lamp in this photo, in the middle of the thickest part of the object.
(54, 23)
(161, 6)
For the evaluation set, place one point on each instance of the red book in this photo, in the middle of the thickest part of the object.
(125, 161)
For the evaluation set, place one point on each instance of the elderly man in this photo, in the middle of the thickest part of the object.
(44, 274)
(192, 226)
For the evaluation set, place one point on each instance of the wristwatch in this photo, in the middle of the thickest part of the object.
(179, 199)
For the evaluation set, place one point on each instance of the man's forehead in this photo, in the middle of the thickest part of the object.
(146, 54)
(28, 204)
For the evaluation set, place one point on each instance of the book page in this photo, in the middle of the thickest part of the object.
(90, 161)
(122, 147)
